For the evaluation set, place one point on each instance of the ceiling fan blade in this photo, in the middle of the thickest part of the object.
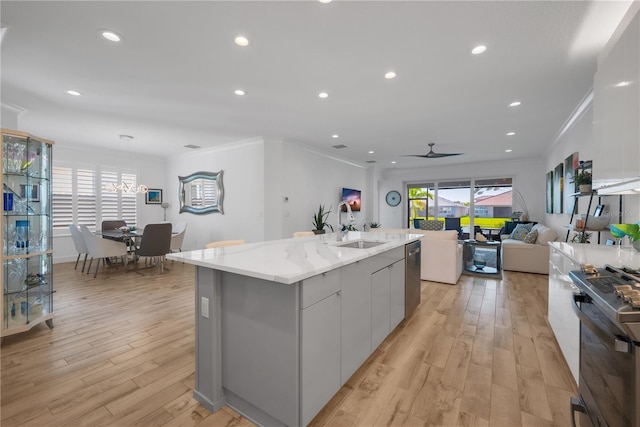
(431, 154)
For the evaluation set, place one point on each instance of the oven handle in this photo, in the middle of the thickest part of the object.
(576, 405)
(611, 341)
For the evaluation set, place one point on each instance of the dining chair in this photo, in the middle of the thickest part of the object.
(100, 248)
(177, 236)
(223, 243)
(112, 224)
(80, 245)
(155, 244)
(303, 234)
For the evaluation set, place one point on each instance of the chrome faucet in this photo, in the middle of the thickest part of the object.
(342, 231)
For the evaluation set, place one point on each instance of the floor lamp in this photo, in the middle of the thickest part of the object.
(165, 205)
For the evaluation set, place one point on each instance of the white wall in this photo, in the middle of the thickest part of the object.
(527, 177)
(258, 176)
(309, 179)
(243, 203)
(9, 118)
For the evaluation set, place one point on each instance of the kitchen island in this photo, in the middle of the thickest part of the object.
(281, 325)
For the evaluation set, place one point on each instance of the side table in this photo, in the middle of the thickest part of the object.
(482, 257)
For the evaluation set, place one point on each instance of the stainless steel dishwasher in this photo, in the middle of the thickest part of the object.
(411, 278)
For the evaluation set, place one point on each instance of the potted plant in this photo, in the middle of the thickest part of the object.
(320, 220)
(581, 237)
(583, 180)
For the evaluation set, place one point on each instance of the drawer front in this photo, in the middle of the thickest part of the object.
(570, 265)
(385, 259)
(319, 287)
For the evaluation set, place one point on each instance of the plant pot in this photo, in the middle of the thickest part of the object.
(585, 188)
(318, 231)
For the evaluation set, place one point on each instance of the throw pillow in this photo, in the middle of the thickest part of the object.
(531, 237)
(521, 231)
(545, 234)
(431, 224)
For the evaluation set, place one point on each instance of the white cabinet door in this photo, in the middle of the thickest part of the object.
(397, 294)
(356, 317)
(380, 305)
(320, 355)
(564, 322)
(616, 107)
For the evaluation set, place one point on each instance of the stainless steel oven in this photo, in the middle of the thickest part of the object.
(609, 380)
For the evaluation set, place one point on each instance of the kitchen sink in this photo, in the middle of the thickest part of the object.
(360, 244)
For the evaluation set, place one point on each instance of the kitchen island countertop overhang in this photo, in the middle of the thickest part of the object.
(291, 260)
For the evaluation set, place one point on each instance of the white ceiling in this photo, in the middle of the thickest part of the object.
(171, 80)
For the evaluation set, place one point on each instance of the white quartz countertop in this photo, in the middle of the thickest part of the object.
(599, 255)
(291, 260)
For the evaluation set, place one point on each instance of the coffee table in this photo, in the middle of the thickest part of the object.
(482, 257)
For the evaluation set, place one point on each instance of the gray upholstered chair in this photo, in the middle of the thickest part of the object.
(155, 244)
(110, 225)
(113, 224)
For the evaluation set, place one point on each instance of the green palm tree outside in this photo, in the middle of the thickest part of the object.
(418, 203)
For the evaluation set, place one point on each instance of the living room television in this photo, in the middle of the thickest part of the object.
(353, 197)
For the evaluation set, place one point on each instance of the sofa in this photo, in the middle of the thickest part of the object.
(441, 254)
(517, 255)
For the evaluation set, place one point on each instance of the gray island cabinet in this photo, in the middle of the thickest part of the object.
(281, 325)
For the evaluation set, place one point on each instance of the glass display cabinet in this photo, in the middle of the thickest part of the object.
(27, 275)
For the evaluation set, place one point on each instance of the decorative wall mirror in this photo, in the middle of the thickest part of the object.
(201, 192)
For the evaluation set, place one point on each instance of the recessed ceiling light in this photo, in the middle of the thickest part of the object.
(240, 92)
(515, 104)
(623, 84)
(324, 1)
(74, 93)
(390, 75)
(478, 49)
(508, 150)
(371, 152)
(242, 41)
(335, 135)
(393, 162)
(126, 137)
(511, 133)
(110, 35)
(323, 95)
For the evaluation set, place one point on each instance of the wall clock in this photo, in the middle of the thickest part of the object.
(393, 198)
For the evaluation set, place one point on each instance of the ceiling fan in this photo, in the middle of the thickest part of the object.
(432, 155)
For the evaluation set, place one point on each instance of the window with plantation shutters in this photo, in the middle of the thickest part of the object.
(62, 196)
(86, 197)
(128, 200)
(109, 199)
(79, 197)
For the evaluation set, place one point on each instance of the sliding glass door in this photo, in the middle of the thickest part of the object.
(463, 204)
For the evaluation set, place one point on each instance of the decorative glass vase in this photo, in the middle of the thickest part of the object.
(13, 156)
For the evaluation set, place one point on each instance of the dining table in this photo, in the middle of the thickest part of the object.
(128, 237)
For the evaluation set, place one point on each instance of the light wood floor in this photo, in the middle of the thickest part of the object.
(122, 353)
